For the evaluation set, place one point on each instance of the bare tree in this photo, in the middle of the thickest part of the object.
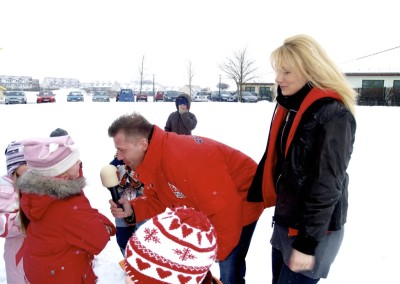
(190, 73)
(240, 69)
(222, 86)
(141, 74)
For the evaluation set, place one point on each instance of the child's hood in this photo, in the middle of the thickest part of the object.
(55, 187)
(42, 191)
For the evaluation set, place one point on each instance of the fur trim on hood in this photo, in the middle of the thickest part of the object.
(33, 183)
(183, 95)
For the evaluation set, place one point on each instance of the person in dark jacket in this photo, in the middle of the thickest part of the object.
(181, 121)
(303, 170)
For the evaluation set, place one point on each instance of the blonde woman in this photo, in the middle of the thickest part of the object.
(303, 171)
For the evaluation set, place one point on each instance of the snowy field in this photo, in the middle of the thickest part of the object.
(369, 253)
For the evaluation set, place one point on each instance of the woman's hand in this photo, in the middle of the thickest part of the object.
(300, 261)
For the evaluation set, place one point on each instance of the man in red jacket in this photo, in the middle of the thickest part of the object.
(192, 171)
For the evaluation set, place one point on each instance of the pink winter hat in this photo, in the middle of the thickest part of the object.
(50, 156)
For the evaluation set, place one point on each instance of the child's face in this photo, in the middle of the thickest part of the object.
(21, 169)
(183, 107)
(73, 172)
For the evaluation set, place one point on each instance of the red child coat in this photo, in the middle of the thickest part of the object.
(64, 231)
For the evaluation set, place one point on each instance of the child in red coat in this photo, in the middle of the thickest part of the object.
(64, 231)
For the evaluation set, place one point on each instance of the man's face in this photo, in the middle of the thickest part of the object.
(131, 151)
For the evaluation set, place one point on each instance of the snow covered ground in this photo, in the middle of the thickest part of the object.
(369, 252)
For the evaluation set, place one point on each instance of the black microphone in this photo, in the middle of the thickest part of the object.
(109, 179)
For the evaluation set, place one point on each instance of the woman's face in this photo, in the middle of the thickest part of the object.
(289, 80)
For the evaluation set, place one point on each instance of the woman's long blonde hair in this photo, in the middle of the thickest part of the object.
(303, 54)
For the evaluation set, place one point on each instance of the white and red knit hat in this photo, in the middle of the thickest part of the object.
(50, 156)
(178, 246)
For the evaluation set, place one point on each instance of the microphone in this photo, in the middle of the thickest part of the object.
(109, 179)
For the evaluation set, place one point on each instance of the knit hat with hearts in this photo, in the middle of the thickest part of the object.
(177, 246)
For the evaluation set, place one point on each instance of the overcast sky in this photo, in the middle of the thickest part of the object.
(105, 40)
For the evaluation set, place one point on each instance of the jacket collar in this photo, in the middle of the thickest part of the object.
(293, 102)
(33, 183)
(152, 157)
(268, 184)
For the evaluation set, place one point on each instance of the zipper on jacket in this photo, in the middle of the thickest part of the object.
(277, 180)
(284, 130)
(283, 145)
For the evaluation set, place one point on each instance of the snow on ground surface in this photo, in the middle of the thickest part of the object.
(369, 252)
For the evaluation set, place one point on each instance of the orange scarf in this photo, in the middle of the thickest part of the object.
(268, 185)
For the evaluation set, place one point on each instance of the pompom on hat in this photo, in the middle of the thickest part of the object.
(58, 132)
(50, 156)
(177, 246)
(14, 157)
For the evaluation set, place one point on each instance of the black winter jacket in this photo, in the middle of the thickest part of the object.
(311, 181)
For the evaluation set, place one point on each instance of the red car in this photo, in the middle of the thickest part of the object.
(141, 97)
(159, 96)
(46, 97)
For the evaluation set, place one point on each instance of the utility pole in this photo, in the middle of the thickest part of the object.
(153, 86)
(219, 87)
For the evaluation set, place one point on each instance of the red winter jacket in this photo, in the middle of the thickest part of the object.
(183, 170)
(64, 232)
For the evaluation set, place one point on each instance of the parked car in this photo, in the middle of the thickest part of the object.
(170, 95)
(248, 97)
(100, 96)
(141, 97)
(201, 97)
(222, 96)
(75, 96)
(265, 96)
(125, 95)
(158, 96)
(45, 97)
(15, 97)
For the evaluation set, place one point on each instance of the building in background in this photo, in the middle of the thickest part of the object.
(376, 88)
(19, 83)
(53, 83)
